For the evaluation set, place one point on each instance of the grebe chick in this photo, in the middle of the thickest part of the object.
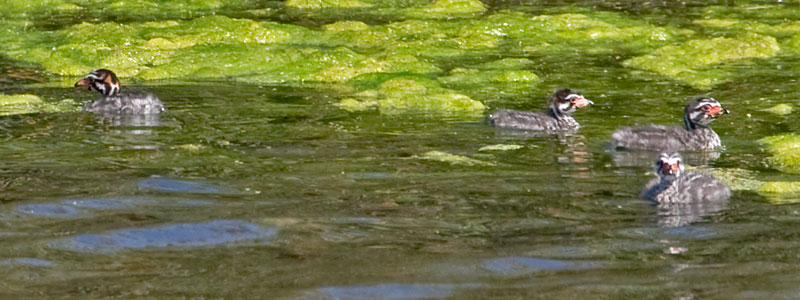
(112, 100)
(557, 119)
(675, 186)
(696, 135)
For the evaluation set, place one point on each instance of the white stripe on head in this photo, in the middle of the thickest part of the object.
(673, 158)
(707, 101)
(94, 75)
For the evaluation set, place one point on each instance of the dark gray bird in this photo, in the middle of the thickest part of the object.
(674, 186)
(557, 119)
(114, 102)
(696, 135)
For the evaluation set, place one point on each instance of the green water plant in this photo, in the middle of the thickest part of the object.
(408, 95)
(26, 104)
(500, 147)
(780, 109)
(785, 150)
(696, 62)
(317, 4)
(454, 159)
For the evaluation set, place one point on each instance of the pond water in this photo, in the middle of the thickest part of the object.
(272, 191)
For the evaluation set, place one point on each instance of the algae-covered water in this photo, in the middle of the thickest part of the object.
(336, 149)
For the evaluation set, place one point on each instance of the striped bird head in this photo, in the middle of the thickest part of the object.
(566, 101)
(702, 111)
(103, 81)
(669, 165)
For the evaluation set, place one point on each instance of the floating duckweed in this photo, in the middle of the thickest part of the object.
(491, 76)
(353, 105)
(781, 187)
(365, 65)
(454, 159)
(778, 192)
(686, 62)
(716, 22)
(150, 8)
(346, 25)
(502, 72)
(571, 32)
(448, 8)
(134, 48)
(68, 7)
(402, 95)
(161, 24)
(507, 64)
(780, 109)
(760, 11)
(191, 147)
(311, 4)
(751, 26)
(737, 179)
(794, 42)
(785, 149)
(26, 104)
(217, 30)
(215, 46)
(500, 147)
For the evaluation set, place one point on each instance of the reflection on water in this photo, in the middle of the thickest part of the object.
(126, 120)
(624, 158)
(216, 232)
(681, 214)
(515, 266)
(176, 186)
(27, 261)
(388, 291)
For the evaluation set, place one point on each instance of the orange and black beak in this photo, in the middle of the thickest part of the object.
(579, 101)
(669, 169)
(716, 111)
(86, 82)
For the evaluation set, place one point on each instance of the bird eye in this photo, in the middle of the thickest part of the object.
(706, 107)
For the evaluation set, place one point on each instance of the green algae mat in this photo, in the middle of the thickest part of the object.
(428, 42)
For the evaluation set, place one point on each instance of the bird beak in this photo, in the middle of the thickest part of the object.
(579, 101)
(717, 111)
(86, 82)
(669, 169)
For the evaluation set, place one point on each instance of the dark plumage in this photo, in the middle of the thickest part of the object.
(557, 119)
(112, 101)
(675, 186)
(696, 135)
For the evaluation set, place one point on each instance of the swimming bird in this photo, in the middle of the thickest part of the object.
(556, 119)
(112, 100)
(696, 135)
(673, 185)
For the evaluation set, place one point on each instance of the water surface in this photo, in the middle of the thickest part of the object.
(250, 191)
